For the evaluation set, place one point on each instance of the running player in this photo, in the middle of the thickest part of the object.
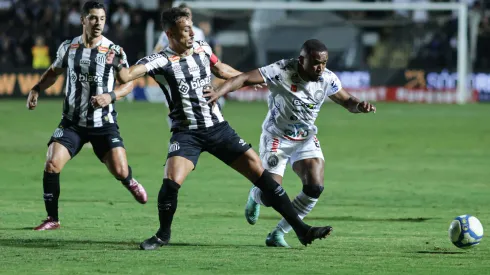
(88, 110)
(298, 88)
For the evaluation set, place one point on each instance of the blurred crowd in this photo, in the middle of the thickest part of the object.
(32, 30)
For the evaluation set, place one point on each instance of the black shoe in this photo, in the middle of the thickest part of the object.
(315, 233)
(153, 243)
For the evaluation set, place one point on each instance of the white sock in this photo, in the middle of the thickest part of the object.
(256, 193)
(303, 204)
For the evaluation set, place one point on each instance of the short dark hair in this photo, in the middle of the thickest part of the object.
(184, 6)
(91, 5)
(171, 16)
(313, 45)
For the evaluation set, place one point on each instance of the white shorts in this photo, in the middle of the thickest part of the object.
(276, 152)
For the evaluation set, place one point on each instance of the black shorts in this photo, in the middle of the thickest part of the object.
(73, 137)
(219, 140)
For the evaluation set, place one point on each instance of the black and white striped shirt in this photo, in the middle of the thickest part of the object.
(182, 79)
(88, 74)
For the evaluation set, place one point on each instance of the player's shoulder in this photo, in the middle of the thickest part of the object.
(329, 75)
(161, 56)
(201, 45)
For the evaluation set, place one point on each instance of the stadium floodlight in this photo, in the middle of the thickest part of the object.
(463, 92)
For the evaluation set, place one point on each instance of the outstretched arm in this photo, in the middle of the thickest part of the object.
(250, 78)
(125, 75)
(351, 103)
(47, 79)
(224, 71)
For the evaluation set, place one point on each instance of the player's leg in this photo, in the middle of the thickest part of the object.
(109, 147)
(274, 158)
(63, 145)
(183, 153)
(308, 163)
(244, 160)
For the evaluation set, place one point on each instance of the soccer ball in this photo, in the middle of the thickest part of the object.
(465, 231)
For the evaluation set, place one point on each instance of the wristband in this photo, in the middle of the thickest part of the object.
(113, 96)
(36, 88)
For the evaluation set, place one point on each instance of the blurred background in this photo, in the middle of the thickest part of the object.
(396, 55)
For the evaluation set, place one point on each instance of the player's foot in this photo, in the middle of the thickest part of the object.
(276, 239)
(252, 209)
(315, 233)
(138, 191)
(48, 224)
(153, 243)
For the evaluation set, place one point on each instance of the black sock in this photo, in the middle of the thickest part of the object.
(51, 188)
(276, 196)
(167, 205)
(128, 179)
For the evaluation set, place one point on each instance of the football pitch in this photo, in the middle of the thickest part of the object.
(394, 181)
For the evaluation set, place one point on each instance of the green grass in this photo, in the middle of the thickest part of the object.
(394, 181)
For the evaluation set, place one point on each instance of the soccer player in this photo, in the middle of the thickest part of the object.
(88, 110)
(182, 71)
(298, 88)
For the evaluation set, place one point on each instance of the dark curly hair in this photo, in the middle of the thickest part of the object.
(171, 16)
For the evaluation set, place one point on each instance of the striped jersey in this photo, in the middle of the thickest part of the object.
(182, 80)
(88, 74)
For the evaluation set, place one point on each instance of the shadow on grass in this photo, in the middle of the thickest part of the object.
(356, 219)
(94, 244)
(440, 252)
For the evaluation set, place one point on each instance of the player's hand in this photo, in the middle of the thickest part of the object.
(366, 107)
(32, 100)
(259, 86)
(210, 94)
(100, 101)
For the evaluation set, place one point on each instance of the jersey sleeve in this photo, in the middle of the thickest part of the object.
(272, 73)
(61, 60)
(153, 63)
(213, 59)
(334, 84)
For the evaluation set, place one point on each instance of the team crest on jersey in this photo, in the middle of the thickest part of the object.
(102, 49)
(174, 58)
(272, 161)
(319, 95)
(100, 59)
(74, 46)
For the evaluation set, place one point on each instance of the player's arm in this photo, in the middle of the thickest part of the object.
(48, 78)
(125, 75)
(246, 79)
(351, 103)
(224, 71)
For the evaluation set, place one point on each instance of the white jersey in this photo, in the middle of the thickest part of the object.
(294, 103)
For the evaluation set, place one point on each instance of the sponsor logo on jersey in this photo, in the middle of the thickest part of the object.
(89, 78)
(200, 82)
(174, 58)
(294, 88)
(183, 87)
(153, 57)
(84, 62)
(74, 46)
(102, 49)
(73, 76)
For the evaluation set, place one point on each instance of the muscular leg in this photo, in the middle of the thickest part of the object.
(56, 158)
(311, 173)
(117, 163)
(250, 166)
(176, 171)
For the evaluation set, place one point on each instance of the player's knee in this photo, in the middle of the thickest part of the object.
(313, 190)
(52, 166)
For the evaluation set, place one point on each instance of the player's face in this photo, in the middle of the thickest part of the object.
(94, 22)
(182, 34)
(314, 64)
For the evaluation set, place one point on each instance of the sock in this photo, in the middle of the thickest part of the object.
(128, 179)
(51, 188)
(167, 205)
(258, 196)
(279, 200)
(303, 204)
